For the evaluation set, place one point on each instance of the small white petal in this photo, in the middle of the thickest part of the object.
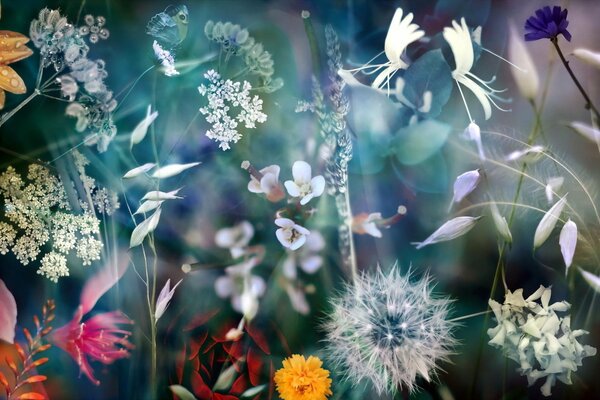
(318, 185)
(148, 205)
(144, 228)
(500, 223)
(132, 173)
(548, 222)
(472, 132)
(585, 130)
(224, 286)
(292, 188)
(465, 184)
(526, 76)
(552, 186)
(588, 56)
(301, 171)
(591, 279)
(450, 230)
(529, 155)
(172, 170)
(141, 129)
(157, 195)
(568, 242)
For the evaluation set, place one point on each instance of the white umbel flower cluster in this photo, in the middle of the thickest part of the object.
(530, 332)
(229, 104)
(37, 213)
(388, 330)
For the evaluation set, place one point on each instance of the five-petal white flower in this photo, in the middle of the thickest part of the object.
(236, 238)
(268, 183)
(290, 234)
(304, 185)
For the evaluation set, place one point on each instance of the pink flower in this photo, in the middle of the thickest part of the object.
(98, 338)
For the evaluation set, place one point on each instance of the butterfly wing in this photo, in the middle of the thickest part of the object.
(12, 47)
(11, 81)
(164, 29)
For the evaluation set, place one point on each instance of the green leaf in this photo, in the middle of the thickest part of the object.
(253, 391)
(182, 392)
(416, 143)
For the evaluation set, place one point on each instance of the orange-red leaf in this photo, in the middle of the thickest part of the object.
(39, 362)
(36, 321)
(46, 330)
(41, 349)
(35, 378)
(28, 336)
(3, 380)
(21, 352)
(10, 362)
(31, 396)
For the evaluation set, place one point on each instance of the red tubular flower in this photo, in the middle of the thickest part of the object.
(98, 338)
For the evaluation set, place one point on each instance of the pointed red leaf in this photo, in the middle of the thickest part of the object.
(200, 320)
(200, 389)
(258, 338)
(255, 363)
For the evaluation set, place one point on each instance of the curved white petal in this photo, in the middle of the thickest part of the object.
(479, 93)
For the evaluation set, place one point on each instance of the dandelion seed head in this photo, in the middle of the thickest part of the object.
(389, 330)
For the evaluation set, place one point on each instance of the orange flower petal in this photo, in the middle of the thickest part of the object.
(11, 81)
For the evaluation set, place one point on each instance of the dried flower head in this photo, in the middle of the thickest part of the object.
(530, 332)
(303, 379)
(389, 330)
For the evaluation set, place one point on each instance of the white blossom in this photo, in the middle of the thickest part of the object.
(548, 222)
(290, 234)
(229, 104)
(531, 332)
(306, 258)
(304, 185)
(268, 183)
(568, 243)
(242, 287)
(236, 238)
(164, 298)
(166, 59)
(459, 38)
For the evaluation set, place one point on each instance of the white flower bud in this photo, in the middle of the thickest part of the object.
(568, 242)
(527, 79)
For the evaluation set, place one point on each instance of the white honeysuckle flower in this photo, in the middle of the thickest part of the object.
(242, 287)
(290, 234)
(268, 183)
(304, 185)
(473, 133)
(530, 332)
(464, 184)
(459, 39)
(568, 243)
(401, 33)
(366, 224)
(527, 79)
(236, 238)
(588, 56)
(307, 258)
(553, 185)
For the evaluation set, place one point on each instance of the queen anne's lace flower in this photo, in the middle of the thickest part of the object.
(229, 104)
(530, 332)
(388, 330)
(37, 214)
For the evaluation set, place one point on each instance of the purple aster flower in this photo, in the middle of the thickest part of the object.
(547, 23)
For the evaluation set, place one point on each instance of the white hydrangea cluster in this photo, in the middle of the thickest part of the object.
(530, 332)
(37, 213)
(229, 103)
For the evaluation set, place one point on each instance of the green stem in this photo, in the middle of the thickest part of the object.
(312, 42)
(5, 117)
(588, 102)
(500, 265)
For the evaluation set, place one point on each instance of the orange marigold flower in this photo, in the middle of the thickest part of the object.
(12, 49)
(303, 379)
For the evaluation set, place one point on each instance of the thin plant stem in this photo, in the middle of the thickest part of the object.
(588, 102)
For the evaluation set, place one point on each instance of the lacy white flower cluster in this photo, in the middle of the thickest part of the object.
(37, 213)
(530, 332)
(235, 41)
(229, 103)
(82, 84)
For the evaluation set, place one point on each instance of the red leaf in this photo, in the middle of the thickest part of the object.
(239, 386)
(200, 389)
(196, 345)
(200, 320)
(255, 363)
(3, 380)
(258, 338)
(21, 352)
(218, 396)
(12, 365)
